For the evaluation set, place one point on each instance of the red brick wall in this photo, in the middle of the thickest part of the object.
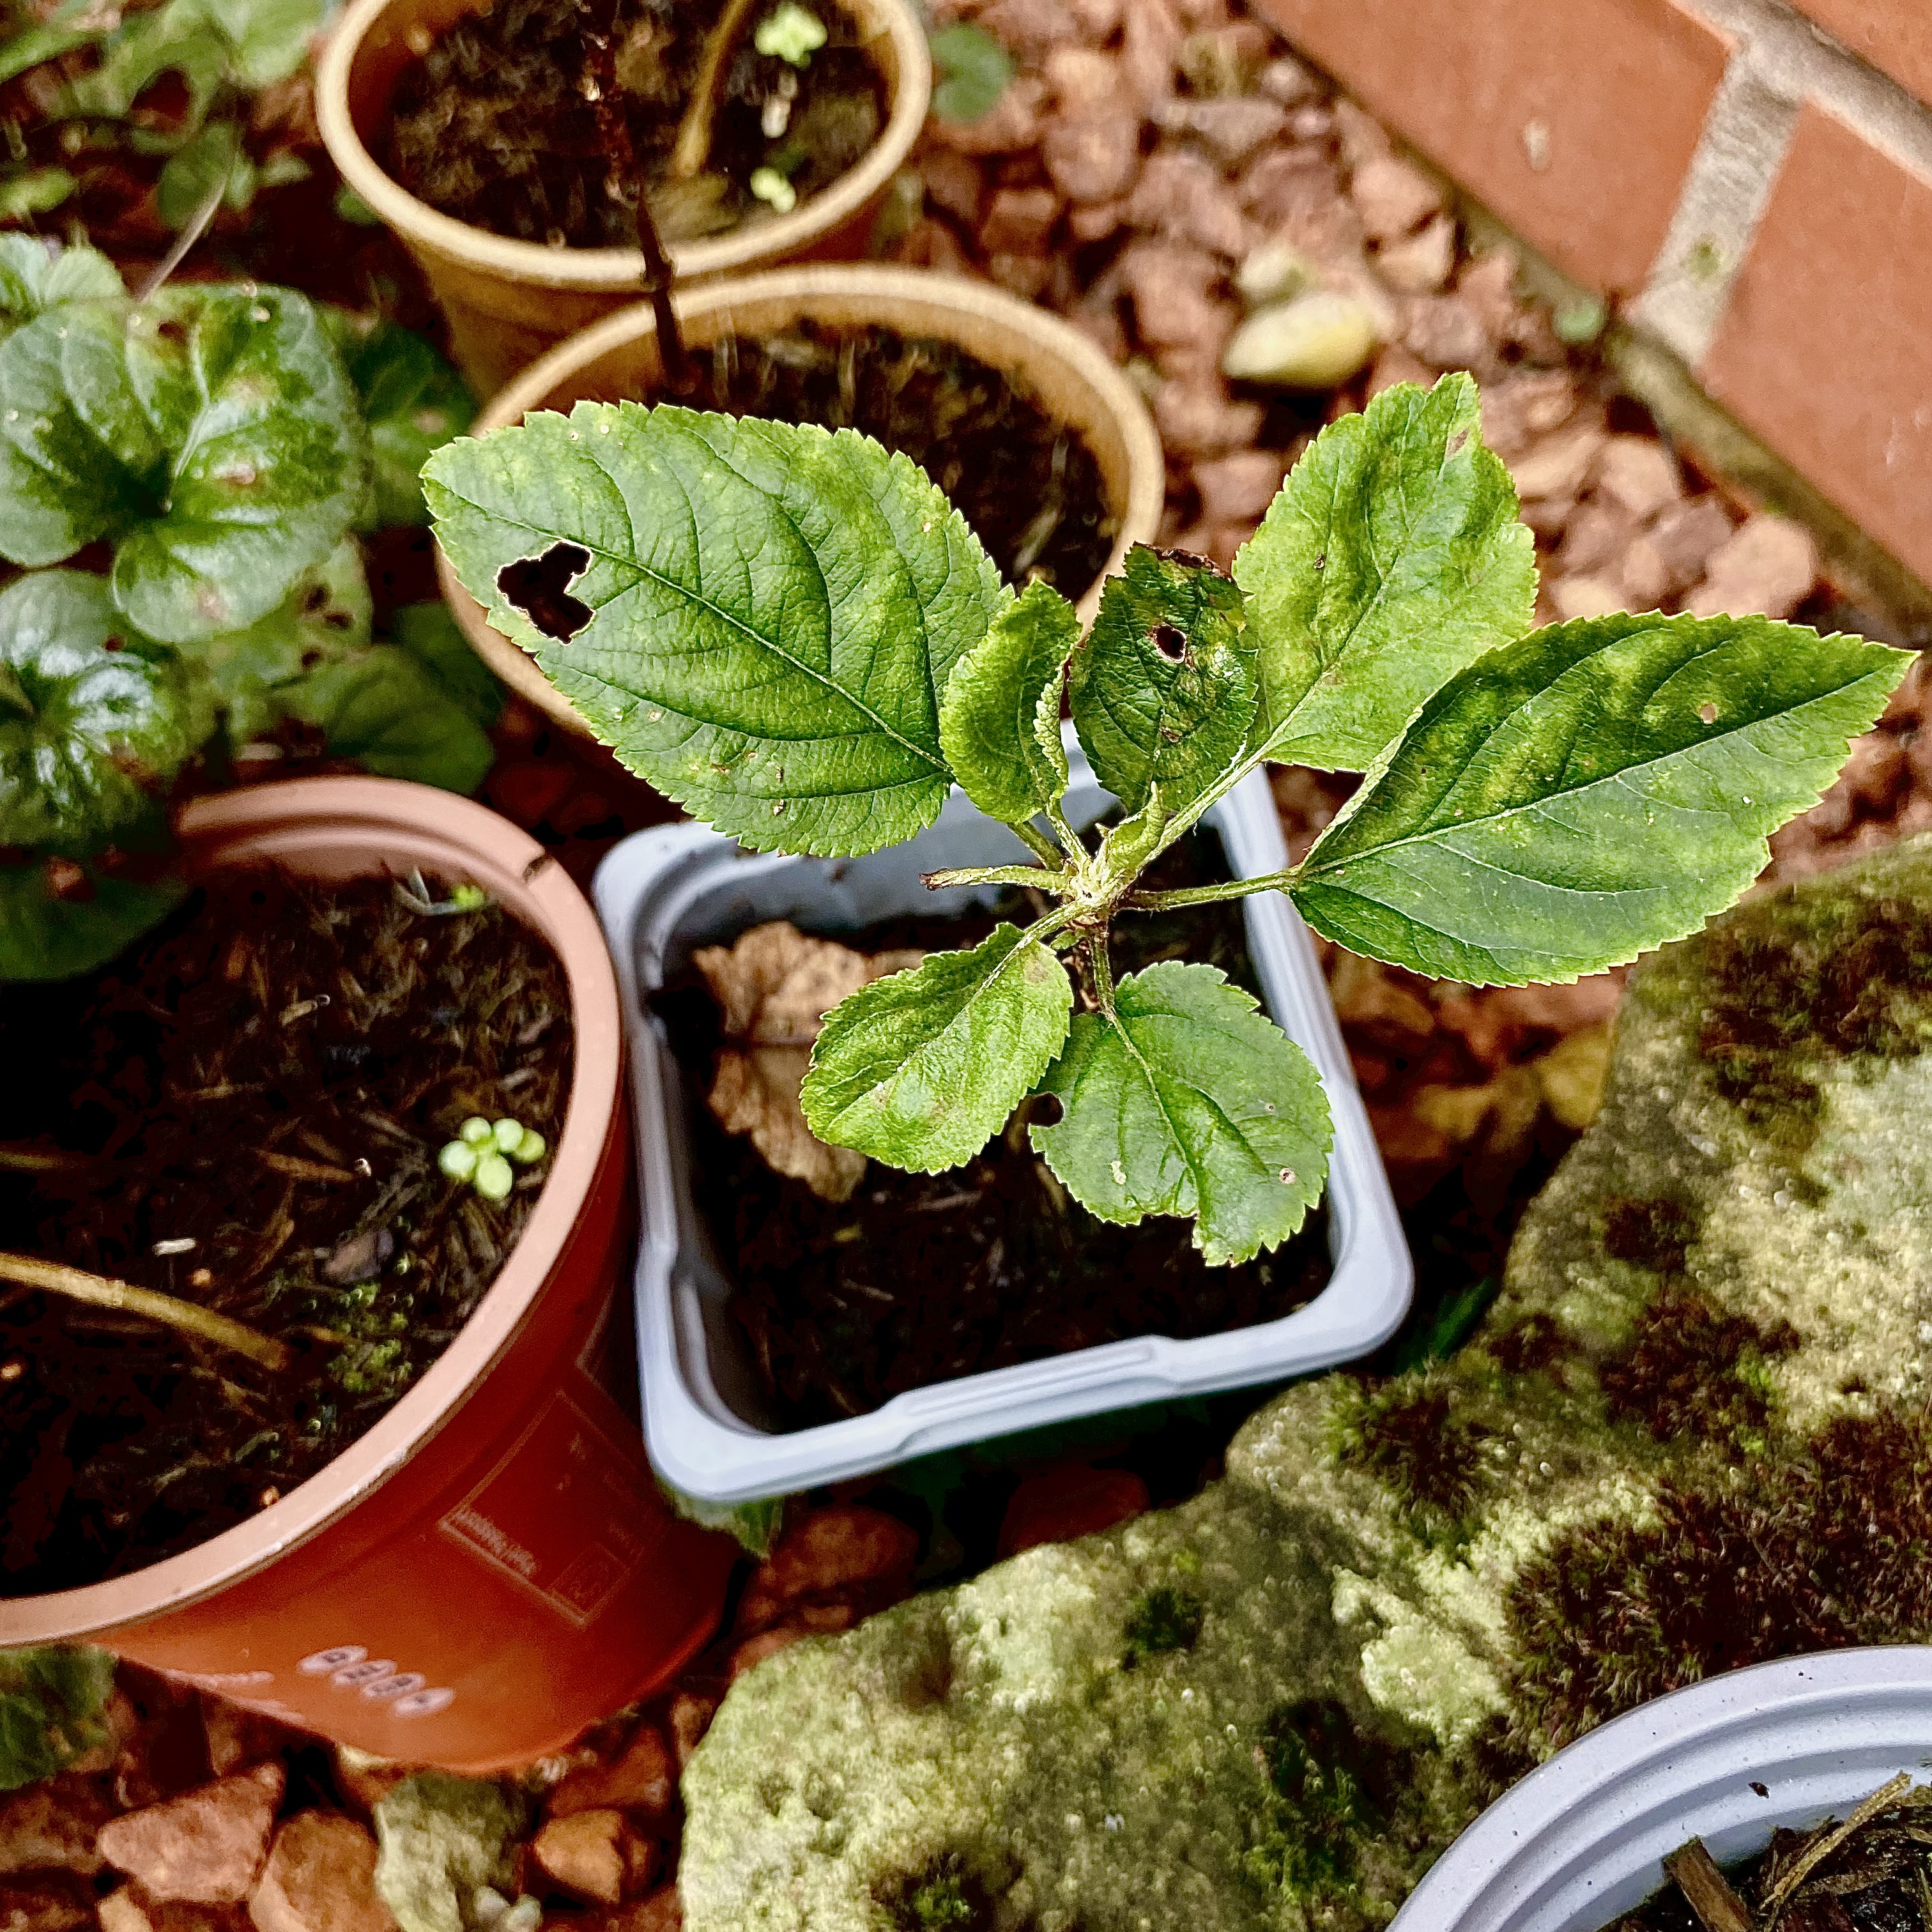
(1751, 178)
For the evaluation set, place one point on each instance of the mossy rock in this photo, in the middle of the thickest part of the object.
(1691, 1434)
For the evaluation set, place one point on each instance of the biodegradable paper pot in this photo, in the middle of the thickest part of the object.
(662, 894)
(1582, 1838)
(618, 359)
(507, 301)
(491, 1566)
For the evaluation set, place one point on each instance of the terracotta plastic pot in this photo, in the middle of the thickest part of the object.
(618, 359)
(492, 1567)
(507, 301)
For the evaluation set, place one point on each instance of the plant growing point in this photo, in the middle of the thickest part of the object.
(1536, 805)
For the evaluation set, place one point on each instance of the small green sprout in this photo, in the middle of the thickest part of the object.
(791, 33)
(483, 1150)
(769, 185)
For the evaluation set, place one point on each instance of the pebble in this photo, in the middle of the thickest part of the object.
(1768, 566)
(1315, 341)
(1393, 198)
(207, 1846)
(1421, 264)
(1638, 474)
(320, 1877)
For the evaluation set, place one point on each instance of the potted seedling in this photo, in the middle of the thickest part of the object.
(1036, 437)
(796, 636)
(514, 148)
(286, 1378)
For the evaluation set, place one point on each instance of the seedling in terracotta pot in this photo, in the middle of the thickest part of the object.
(795, 636)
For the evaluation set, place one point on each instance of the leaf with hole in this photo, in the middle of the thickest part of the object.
(95, 721)
(773, 611)
(1163, 689)
(1588, 792)
(920, 1070)
(1391, 559)
(999, 723)
(211, 434)
(414, 402)
(1185, 1100)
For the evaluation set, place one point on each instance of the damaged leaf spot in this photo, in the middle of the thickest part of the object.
(539, 586)
(1170, 641)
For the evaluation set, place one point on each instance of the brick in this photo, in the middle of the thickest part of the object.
(1823, 351)
(1573, 120)
(1894, 35)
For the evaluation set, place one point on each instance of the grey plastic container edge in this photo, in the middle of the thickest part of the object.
(1582, 1839)
(663, 892)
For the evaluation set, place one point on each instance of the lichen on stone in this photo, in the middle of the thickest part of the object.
(1692, 1433)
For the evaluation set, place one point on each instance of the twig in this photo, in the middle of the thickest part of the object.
(189, 1317)
(24, 1159)
(612, 130)
(692, 148)
(1824, 1844)
(1718, 1908)
(196, 227)
(296, 1168)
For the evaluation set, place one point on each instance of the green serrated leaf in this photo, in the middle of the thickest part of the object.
(990, 722)
(1391, 559)
(43, 937)
(93, 721)
(27, 192)
(774, 610)
(1185, 1100)
(1588, 792)
(920, 1070)
(414, 402)
(323, 621)
(756, 1524)
(51, 1699)
(429, 633)
(1163, 689)
(211, 164)
(35, 277)
(973, 71)
(382, 707)
(212, 432)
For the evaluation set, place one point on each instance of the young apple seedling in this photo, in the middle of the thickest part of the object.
(793, 633)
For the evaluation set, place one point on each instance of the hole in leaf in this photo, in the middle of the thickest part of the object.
(172, 331)
(539, 586)
(1045, 1110)
(1170, 641)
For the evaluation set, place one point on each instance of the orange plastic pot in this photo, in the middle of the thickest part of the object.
(492, 1567)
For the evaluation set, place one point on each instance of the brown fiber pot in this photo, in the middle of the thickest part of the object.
(508, 301)
(618, 358)
(492, 1567)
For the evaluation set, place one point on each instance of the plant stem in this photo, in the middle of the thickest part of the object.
(1705, 1889)
(614, 132)
(1039, 842)
(991, 875)
(1229, 889)
(692, 149)
(189, 1317)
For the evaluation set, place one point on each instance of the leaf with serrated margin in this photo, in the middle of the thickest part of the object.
(1392, 558)
(1185, 1099)
(212, 432)
(921, 1069)
(774, 609)
(1163, 688)
(94, 720)
(990, 721)
(1588, 792)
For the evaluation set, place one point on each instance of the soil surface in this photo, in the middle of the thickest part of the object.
(498, 125)
(1027, 485)
(921, 1278)
(246, 1112)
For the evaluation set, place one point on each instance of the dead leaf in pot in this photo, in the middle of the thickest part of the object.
(773, 989)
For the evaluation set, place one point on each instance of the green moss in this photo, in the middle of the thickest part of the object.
(946, 1895)
(1692, 1368)
(1656, 1234)
(1410, 1437)
(1164, 1619)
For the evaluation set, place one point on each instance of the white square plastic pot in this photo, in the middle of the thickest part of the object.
(1582, 1839)
(664, 893)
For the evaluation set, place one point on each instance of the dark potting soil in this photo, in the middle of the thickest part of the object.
(1878, 1880)
(1029, 488)
(497, 124)
(921, 1278)
(246, 1112)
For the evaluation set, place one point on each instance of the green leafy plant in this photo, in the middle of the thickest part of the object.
(215, 441)
(794, 635)
(102, 99)
(973, 71)
(51, 1702)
